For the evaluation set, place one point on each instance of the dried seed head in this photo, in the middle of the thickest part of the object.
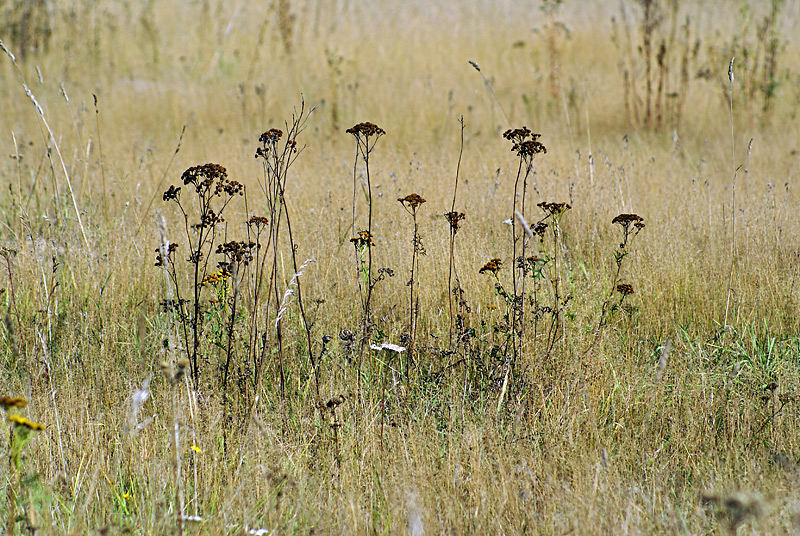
(172, 193)
(13, 402)
(271, 136)
(554, 209)
(258, 221)
(366, 130)
(454, 218)
(626, 219)
(492, 267)
(625, 289)
(412, 200)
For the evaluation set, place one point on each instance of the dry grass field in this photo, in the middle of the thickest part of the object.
(197, 341)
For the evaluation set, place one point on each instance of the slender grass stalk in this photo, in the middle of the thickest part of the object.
(103, 162)
(52, 138)
(734, 170)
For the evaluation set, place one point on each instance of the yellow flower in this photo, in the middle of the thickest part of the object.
(195, 448)
(22, 421)
(126, 495)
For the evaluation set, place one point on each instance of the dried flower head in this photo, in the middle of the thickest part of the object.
(239, 252)
(626, 219)
(412, 201)
(517, 135)
(366, 130)
(172, 193)
(539, 229)
(22, 422)
(13, 402)
(526, 143)
(269, 140)
(454, 218)
(208, 179)
(625, 289)
(258, 221)
(492, 267)
(554, 209)
(271, 136)
(170, 250)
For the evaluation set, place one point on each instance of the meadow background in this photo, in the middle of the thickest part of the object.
(675, 411)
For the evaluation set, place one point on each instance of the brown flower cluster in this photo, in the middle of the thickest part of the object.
(454, 218)
(492, 267)
(539, 229)
(625, 220)
(240, 252)
(526, 143)
(204, 177)
(172, 193)
(258, 221)
(554, 209)
(366, 130)
(269, 140)
(209, 219)
(364, 239)
(412, 200)
(271, 136)
(625, 289)
(12, 402)
(170, 251)
(517, 135)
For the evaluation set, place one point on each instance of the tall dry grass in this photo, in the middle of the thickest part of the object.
(669, 419)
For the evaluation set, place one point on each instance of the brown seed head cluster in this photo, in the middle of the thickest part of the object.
(454, 218)
(12, 402)
(626, 219)
(625, 289)
(209, 219)
(412, 200)
(539, 229)
(364, 239)
(366, 130)
(492, 267)
(258, 221)
(554, 209)
(517, 135)
(208, 178)
(170, 251)
(526, 143)
(271, 136)
(172, 193)
(239, 252)
(269, 140)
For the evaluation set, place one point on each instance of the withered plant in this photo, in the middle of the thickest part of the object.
(631, 225)
(526, 145)
(367, 135)
(277, 157)
(454, 219)
(211, 193)
(411, 203)
(665, 51)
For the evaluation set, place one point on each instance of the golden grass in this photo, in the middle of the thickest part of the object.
(608, 433)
